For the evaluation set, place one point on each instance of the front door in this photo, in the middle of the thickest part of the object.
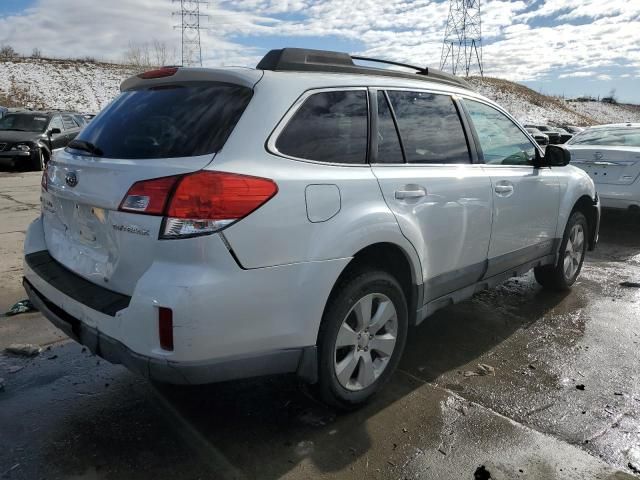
(526, 199)
(441, 200)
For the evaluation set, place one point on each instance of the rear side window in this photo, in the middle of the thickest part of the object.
(430, 128)
(328, 127)
(168, 121)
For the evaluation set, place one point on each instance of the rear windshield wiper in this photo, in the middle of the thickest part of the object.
(85, 146)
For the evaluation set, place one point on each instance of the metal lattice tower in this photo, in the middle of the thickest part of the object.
(462, 46)
(191, 17)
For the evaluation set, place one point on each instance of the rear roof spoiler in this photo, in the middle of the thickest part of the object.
(246, 77)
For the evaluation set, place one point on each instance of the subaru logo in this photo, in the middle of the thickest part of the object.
(598, 155)
(71, 179)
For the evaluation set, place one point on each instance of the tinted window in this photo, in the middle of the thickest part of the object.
(27, 122)
(501, 141)
(389, 150)
(68, 122)
(430, 128)
(329, 127)
(612, 137)
(168, 121)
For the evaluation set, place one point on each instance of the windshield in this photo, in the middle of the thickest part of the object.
(25, 122)
(165, 122)
(612, 137)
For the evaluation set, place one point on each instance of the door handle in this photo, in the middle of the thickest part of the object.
(408, 194)
(503, 190)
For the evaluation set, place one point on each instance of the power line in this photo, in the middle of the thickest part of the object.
(190, 24)
(462, 45)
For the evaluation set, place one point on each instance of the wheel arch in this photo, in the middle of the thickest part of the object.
(393, 259)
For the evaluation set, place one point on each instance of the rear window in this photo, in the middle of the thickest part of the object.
(167, 121)
(613, 137)
(329, 127)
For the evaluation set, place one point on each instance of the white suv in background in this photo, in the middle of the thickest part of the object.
(294, 218)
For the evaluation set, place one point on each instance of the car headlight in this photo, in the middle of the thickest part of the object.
(21, 147)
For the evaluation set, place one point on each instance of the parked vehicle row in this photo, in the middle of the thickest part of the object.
(163, 245)
(28, 137)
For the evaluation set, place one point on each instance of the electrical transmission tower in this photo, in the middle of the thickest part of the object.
(190, 25)
(462, 46)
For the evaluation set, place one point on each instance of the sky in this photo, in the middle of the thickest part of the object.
(560, 47)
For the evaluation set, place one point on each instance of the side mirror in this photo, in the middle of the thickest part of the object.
(54, 131)
(555, 156)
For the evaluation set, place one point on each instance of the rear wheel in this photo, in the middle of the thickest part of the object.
(572, 252)
(362, 337)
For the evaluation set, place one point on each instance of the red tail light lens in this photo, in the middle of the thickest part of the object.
(149, 196)
(159, 73)
(199, 203)
(165, 328)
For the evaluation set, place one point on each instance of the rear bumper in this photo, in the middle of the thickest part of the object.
(619, 196)
(114, 351)
(227, 322)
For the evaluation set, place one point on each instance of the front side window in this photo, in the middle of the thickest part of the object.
(430, 128)
(56, 122)
(68, 122)
(328, 127)
(501, 141)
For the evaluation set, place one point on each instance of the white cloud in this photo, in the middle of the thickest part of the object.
(586, 35)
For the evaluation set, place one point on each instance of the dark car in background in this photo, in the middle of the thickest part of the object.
(564, 135)
(541, 138)
(554, 137)
(3, 111)
(28, 138)
(573, 129)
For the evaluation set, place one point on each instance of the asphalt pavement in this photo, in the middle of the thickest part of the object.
(557, 395)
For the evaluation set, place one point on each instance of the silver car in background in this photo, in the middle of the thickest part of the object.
(610, 154)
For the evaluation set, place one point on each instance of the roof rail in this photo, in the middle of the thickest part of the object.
(307, 60)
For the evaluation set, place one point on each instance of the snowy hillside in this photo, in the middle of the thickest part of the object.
(88, 86)
(60, 84)
(529, 106)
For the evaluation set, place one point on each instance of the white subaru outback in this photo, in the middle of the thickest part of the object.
(294, 218)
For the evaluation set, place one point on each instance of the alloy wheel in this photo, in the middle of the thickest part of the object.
(365, 342)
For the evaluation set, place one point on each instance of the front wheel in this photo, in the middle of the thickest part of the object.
(39, 161)
(362, 337)
(572, 252)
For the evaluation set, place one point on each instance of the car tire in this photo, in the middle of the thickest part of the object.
(38, 163)
(571, 257)
(361, 339)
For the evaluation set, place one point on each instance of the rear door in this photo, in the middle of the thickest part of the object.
(145, 133)
(526, 200)
(441, 200)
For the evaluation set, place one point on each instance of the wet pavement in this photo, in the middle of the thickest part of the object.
(561, 400)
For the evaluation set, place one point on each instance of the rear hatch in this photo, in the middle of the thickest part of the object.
(164, 127)
(608, 165)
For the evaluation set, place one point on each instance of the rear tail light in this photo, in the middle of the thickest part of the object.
(199, 203)
(165, 328)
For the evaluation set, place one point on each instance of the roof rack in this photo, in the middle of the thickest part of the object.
(307, 60)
